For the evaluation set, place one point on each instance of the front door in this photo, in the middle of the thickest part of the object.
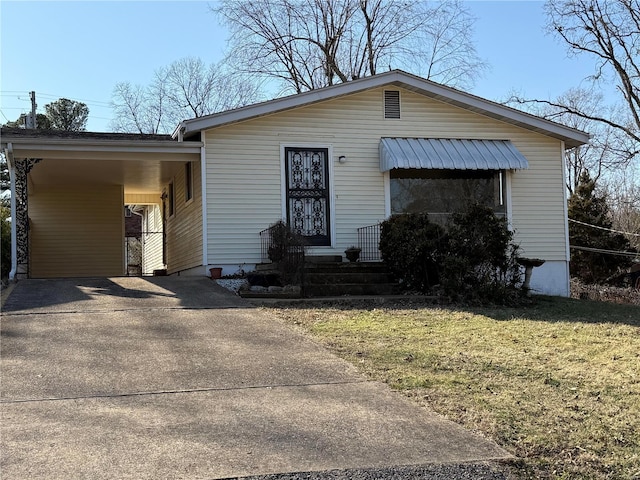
(307, 188)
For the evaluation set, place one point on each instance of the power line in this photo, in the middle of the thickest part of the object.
(607, 252)
(603, 228)
(16, 94)
(95, 102)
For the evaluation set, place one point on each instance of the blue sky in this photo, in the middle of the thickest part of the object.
(81, 49)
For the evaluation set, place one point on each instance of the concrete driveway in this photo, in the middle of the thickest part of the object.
(174, 377)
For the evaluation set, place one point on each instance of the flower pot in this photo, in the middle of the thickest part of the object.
(216, 272)
(352, 254)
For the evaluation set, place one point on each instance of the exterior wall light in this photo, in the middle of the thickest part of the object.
(342, 159)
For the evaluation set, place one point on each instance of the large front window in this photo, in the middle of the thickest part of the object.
(443, 192)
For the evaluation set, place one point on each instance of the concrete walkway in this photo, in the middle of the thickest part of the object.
(176, 378)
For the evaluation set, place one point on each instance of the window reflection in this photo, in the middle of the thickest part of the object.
(442, 192)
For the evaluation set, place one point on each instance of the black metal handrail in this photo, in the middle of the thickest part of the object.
(369, 243)
(265, 243)
(294, 247)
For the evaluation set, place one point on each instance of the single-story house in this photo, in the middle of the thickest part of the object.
(330, 162)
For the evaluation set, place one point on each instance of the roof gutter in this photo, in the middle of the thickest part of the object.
(178, 133)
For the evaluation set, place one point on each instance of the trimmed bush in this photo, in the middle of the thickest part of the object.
(287, 252)
(413, 249)
(472, 260)
(5, 249)
(480, 264)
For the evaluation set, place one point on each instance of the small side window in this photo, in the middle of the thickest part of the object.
(188, 181)
(171, 199)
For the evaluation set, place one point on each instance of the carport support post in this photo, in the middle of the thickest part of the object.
(20, 217)
(12, 178)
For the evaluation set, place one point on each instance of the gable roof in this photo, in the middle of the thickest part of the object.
(397, 78)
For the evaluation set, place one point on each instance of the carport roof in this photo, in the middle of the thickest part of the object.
(63, 134)
(29, 143)
(141, 163)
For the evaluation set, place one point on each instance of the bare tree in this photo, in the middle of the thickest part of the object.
(623, 192)
(603, 154)
(187, 88)
(609, 32)
(309, 44)
(138, 109)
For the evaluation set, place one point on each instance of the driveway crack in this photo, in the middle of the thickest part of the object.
(178, 391)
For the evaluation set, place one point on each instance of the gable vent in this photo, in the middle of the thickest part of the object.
(391, 104)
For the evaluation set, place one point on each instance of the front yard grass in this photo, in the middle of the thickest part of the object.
(556, 383)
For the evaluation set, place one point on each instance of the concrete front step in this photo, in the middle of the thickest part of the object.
(345, 277)
(329, 290)
(335, 267)
(322, 259)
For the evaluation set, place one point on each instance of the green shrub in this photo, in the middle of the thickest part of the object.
(472, 260)
(413, 248)
(480, 264)
(5, 248)
(287, 250)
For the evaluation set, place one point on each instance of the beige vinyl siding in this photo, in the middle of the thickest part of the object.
(76, 231)
(152, 240)
(244, 170)
(184, 227)
(141, 198)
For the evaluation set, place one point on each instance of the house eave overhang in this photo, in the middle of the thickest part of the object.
(43, 147)
(571, 137)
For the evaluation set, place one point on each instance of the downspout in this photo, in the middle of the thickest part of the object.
(563, 153)
(203, 180)
(14, 235)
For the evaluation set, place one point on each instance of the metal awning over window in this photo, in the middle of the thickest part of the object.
(454, 154)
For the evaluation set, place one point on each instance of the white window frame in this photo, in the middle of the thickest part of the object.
(188, 183)
(171, 198)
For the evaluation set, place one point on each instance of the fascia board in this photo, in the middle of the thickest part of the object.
(492, 109)
(286, 103)
(21, 144)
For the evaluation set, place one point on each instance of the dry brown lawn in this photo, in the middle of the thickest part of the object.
(556, 383)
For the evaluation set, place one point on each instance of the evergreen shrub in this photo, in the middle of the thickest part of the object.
(413, 248)
(472, 260)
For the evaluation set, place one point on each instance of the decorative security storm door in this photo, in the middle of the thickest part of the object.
(307, 174)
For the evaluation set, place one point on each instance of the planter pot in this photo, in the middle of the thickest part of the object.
(352, 254)
(216, 272)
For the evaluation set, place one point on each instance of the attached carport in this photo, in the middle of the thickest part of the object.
(68, 190)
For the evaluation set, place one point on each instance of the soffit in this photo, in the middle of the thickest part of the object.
(140, 164)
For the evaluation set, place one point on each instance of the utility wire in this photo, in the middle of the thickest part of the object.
(94, 102)
(603, 228)
(46, 96)
(608, 252)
